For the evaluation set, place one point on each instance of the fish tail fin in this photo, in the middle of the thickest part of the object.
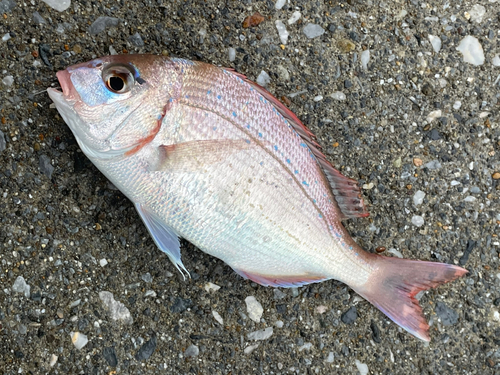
(393, 285)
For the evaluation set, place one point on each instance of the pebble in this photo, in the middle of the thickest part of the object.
(191, 351)
(180, 305)
(252, 21)
(103, 23)
(278, 294)
(496, 60)
(8, 80)
(5, 37)
(496, 175)
(45, 166)
(365, 58)
(435, 42)
(447, 315)
(330, 358)
(471, 50)
(262, 334)
(418, 198)
(417, 220)
(7, 5)
(79, 340)
(294, 18)
(250, 348)
(3, 143)
(147, 349)
(350, 315)
(53, 360)
(318, 98)
(306, 346)
(434, 164)
(477, 13)
(254, 309)
(470, 198)
(375, 332)
(59, 5)
(116, 309)
(395, 252)
(338, 95)
(282, 73)
(217, 317)
(231, 53)
(280, 4)
(282, 31)
(147, 277)
(433, 115)
(109, 355)
(457, 104)
(211, 287)
(312, 30)
(136, 40)
(263, 79)
(20, 286)
(38, 19)
(103, 262)
(362, 367)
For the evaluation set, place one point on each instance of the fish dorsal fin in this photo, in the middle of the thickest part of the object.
(345, 190)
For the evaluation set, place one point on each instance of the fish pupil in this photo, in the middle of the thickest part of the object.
(116, 83)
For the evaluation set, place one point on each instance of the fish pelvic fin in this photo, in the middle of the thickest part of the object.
(282, 281)
(393, 286)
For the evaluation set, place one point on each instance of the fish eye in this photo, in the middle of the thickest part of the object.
(118, 78)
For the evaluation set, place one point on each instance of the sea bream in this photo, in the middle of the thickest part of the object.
(209, 156)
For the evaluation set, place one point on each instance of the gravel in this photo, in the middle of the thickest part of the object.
(71, 235)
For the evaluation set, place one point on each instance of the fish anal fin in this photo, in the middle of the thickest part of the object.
(283, 281)
(345, 190)
(163, 236)
(195, 155)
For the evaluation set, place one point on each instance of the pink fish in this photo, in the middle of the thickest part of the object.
(209, 156)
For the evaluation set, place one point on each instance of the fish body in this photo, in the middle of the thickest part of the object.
(207, 155)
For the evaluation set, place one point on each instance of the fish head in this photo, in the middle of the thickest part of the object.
(114, 103)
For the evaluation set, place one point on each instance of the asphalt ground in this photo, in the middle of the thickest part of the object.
(412, 121)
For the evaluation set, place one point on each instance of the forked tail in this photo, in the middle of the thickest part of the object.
(393, 286)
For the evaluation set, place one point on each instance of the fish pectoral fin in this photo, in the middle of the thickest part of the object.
(164, 237)
(284, 281)
(195, 155)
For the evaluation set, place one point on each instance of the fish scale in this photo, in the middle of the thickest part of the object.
(207, 155)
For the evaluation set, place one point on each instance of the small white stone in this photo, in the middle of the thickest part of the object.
(103, 262)
(279, 324)
(395, 252)
(338, 95)
(53, 360)
(321, 309)
(418, 198)
(470, 198)
(471, 50)
(417, 220)
(231, 52)
(433, 115)
(362, 367)
(306, 346)
(368, 186)
(279, 4)
(116, 309)
(294, 18)
(262, 334)
(218, 317)
(330, 358)
(210, 287)
(79, 340)
(263, 79)
(496, 60)
(112, 50)
(318, 98)
(254, 309)
(457, 104)
(477, 13)
(8, 80)
(365, 58)
(250, 348)
(20, 286)
(59, 5)
(311, 30)
(435, 42)
(6, 37)
(282, 31)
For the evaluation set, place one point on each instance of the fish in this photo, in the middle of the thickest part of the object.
(207, 155)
